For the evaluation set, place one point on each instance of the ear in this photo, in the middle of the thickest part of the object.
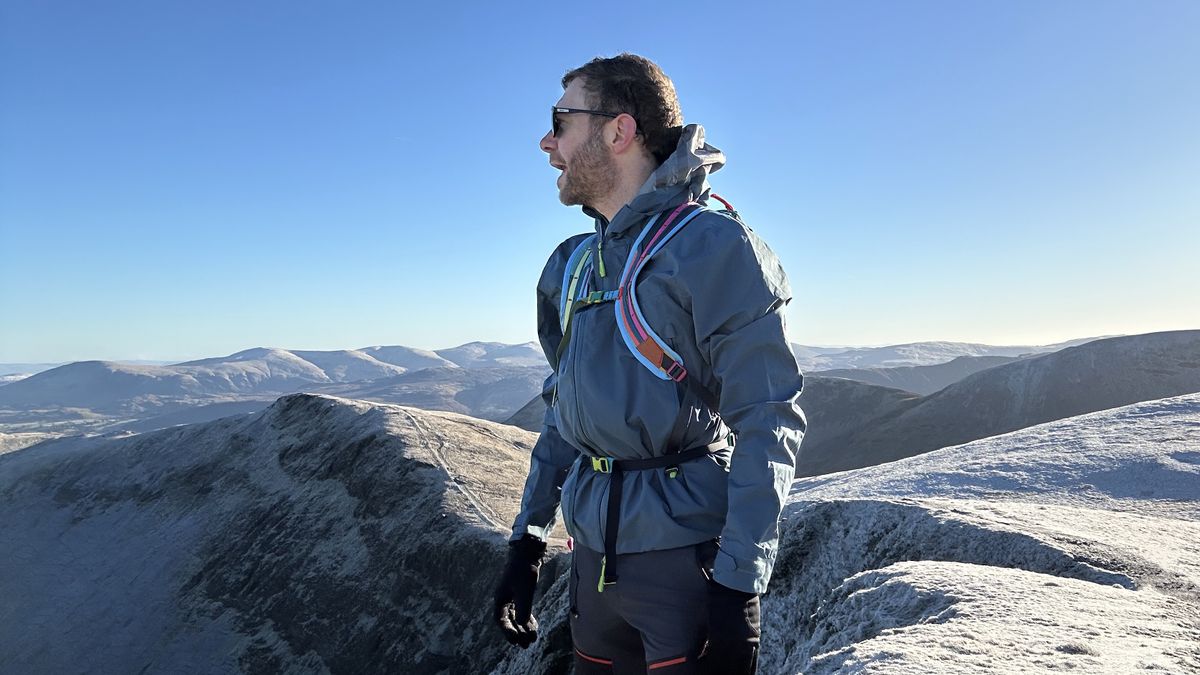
(624, 133)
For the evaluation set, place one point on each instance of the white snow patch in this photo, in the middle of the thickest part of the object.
(1073, 545)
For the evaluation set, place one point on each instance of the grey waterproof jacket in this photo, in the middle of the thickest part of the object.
(716, 294)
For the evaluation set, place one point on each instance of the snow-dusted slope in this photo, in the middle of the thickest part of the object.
(348, 365)
(489, 393)
(1094, 376)
(320, 535)
(1067, 547)
(409, 358)
(494, 354)
(326, 535)
(901, 566)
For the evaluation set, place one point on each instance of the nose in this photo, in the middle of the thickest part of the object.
(548, 143)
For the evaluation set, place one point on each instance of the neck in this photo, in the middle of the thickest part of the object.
(628, 184)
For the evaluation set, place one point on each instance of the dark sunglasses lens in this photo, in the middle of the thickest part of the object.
(554, 126)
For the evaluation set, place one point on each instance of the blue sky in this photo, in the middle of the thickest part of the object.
(180, 180)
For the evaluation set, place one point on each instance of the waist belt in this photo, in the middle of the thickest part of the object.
(617, 468)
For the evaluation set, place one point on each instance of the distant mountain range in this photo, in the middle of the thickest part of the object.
(1094, 376)
(913, 354)
(919, 379)
(474, 354)
(857, 416)
(484, 379)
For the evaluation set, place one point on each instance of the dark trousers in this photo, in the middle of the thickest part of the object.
(664, 616)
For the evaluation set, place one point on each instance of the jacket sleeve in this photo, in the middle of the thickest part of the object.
(551, 456)
(738, 294)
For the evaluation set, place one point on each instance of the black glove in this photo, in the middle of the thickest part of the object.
(514, 594)
(734, 623)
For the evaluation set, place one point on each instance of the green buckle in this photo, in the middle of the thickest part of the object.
(594, 296)
(602, 464)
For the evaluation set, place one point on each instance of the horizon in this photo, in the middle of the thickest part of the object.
(186, 180)
(174, 361)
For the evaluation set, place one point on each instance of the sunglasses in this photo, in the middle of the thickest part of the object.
(555, 111)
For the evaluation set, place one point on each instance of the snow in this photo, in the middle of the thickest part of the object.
(1072, 545)
(1142, 457)
(319, 535)
(932, 617)
(330, 535)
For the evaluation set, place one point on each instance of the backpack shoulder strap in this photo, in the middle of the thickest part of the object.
(650, 350)
(576, 275)
(574, 281)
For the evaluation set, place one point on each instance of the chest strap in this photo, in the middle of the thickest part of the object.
(617, 469)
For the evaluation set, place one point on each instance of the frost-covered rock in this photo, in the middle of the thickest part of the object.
(320, 535)
(1069, 545)
(1072, 545)
(328, 535)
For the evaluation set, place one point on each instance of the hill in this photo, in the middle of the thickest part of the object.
(920, 379)
(320, 534)
(106, 397)
(1077, 380)
(912, 354)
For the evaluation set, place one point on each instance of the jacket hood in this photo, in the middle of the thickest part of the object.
(683, 176)
(689, 165)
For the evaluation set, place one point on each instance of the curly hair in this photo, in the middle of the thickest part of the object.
(628, 83)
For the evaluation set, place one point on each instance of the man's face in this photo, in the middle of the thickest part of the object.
(578, 151)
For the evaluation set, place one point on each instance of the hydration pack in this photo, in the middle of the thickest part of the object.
(646, 346)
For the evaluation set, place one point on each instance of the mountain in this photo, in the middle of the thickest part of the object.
(1068, 546)
(834, 407)
(268, 368)
(494, 354)
(105, 396)
(912, 354)
(348, 365)
(920, 379)
(1098, 375)
(101, 386)
(319, 535)
(329, 535)
(489, 393)
(408, 358)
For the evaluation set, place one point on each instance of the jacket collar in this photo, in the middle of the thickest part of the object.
(682, 177)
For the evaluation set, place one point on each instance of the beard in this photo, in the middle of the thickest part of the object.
(590, 176)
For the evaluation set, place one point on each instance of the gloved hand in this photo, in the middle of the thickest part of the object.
(734, 624)
(514, 594)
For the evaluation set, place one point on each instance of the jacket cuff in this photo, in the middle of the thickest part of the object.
(748, 577)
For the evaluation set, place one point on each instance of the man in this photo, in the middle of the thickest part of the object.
(670, 485)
